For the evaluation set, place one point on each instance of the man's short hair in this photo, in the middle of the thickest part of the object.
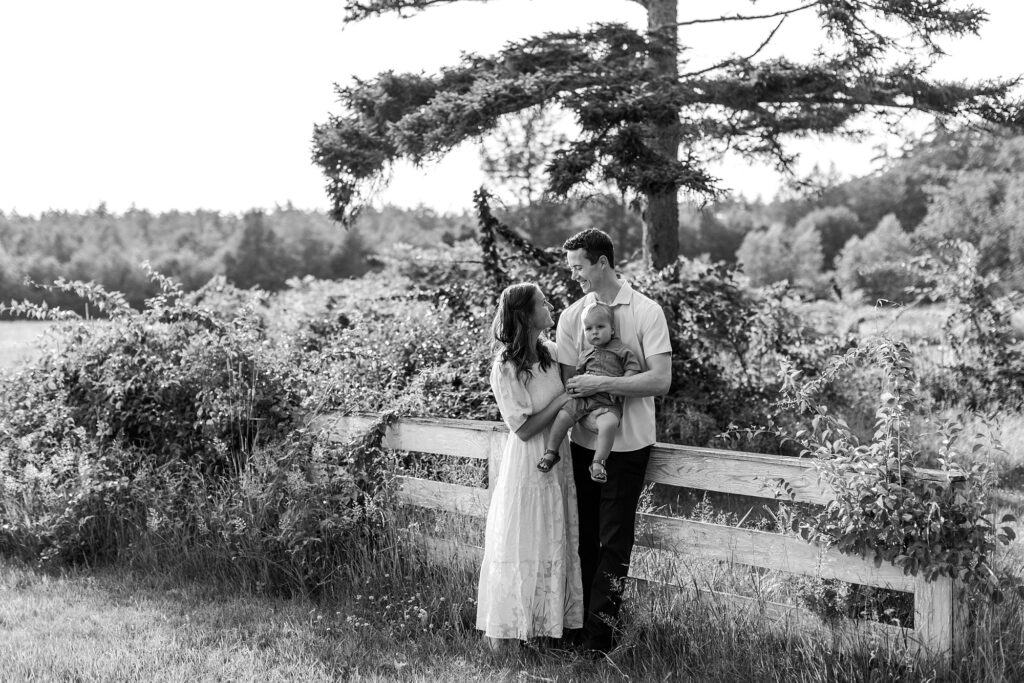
(594, 243)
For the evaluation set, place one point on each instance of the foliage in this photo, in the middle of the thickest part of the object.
(988, 354)
(877, 266)
(177, 427)
(780, 253)
(414, 337)
(883, 508)
(727, 343)
(835, 225)
(986, 209)
(174, 379)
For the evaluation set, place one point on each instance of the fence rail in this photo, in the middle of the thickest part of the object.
(936, 610)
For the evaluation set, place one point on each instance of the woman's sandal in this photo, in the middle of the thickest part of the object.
(598, 472)
(548, 460)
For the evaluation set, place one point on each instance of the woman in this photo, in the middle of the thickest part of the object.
(530, 582)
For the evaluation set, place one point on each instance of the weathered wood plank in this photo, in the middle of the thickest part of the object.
(462, 438)
(765, 549)
(697, 539)
(748, 474)
(735, 472)
(466, 500)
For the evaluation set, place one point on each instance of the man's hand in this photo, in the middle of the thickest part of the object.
(581, 386)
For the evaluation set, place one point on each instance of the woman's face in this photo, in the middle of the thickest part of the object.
(541, 319)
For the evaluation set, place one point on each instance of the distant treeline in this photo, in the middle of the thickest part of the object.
(855, 236)
(864, 236)
(259, 248)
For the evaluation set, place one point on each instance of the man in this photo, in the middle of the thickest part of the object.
(608, 511)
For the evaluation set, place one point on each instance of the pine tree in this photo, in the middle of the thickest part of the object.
(636, 108)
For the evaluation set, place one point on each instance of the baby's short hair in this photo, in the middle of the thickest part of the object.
(598, 309)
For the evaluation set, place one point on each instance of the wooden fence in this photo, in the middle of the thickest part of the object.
(936, 609)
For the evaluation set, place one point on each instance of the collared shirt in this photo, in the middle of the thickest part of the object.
(640, 324)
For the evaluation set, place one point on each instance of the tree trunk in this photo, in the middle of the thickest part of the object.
(661, 213)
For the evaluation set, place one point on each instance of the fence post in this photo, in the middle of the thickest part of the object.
(935, 616)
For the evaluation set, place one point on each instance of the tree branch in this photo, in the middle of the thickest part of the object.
(750, 17)
(356, 10)
(735, 60)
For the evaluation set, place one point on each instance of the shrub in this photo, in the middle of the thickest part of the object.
(882, 508)
(727, 344)
(382, 343)
(988, 352)
(176, 429)
(176, 380)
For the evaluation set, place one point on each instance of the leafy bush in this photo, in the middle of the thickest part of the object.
(988, 352)
(177, 380)
(883, 508)
(384, 343)
(177, 430)
(727, 345)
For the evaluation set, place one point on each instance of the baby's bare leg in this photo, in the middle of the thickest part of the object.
(559, 428)
(607, 423)
(561, 425)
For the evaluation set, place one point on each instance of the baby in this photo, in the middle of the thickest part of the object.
(608, 357)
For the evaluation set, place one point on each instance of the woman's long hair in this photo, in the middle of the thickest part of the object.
(511, 330)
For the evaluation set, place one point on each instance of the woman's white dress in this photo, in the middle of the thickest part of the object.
(530, 582)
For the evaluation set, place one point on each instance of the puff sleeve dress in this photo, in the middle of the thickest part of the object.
(530, 582)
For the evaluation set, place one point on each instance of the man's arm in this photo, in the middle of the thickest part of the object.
(655, 381)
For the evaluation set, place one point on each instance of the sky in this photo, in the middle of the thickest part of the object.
(211, 103)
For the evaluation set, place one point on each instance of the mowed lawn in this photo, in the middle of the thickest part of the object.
(113, 626)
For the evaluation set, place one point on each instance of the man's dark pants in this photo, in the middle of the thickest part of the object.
(607, 517)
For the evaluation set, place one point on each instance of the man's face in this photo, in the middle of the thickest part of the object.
(584, 272)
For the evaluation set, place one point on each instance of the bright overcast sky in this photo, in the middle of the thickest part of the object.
(211, 103)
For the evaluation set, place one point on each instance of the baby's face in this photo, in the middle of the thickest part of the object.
(598, 330)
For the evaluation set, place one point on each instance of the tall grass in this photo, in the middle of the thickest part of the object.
(397, 617)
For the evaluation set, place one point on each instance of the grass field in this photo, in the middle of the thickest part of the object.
(17, 340)
(133, 625)
(118, 625)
